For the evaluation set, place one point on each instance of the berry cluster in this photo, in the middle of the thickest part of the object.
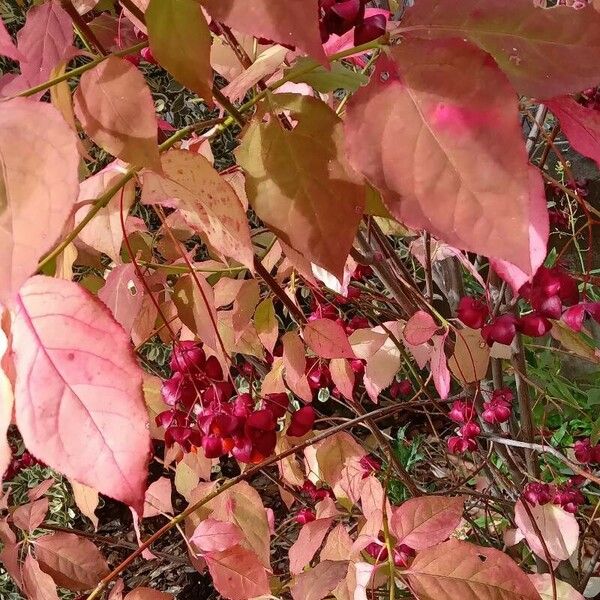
(206, 412)
(315, 494)
(402, 553)
(549, 293)
(497, 410)
(585, 453)
(340, 16)
(567, 496)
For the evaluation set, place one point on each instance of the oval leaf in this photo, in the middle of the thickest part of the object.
(419, 328)
(237, 573)
(75, 372)
(327, 339)
(543, 584)
(180, 41)
(115, 108)
(73, 562)
(208, 203)
(38, 186)
(446, 100)
(216, 536)
(559, 529)
(299, 184)
(426, 521)
(456, 569)
(554, 52)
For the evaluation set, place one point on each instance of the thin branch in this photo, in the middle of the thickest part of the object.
(84, 29)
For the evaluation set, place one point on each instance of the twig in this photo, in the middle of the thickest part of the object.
(134, 10)
(84, 29)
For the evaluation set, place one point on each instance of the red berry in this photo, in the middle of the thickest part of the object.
(461, 411)
(502, 330)
(496, 411)
(472, 312)
(377, 551)
(537, 493)
(370, 464)
(187, 356)
(458, 445)
(470, 430)
(402, 555)
(583, 451)
(302, 421)
(305, 515)
(147, 55)
(278, 403)
(534, 325)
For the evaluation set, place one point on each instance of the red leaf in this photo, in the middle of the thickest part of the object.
(294, 22)
(37, 585)
(456, 569)
(7, 46)
(216, 536)
(580, 124)
(426, 521)
(38, 186)
(419, 328)
(446, 100)
(237, 573)
(559, 529)
(30, 516)
(327, 339)
(309, 540)
(73, 562)
(554, 52)
(78, 391)
(45, 40)
(439, 367)
(319, 582)
(115, 108)
(208, 203)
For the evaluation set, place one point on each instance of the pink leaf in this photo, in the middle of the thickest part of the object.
(216, 536)
(319, 582)
(7, 46)
(543, 584)
(309, 541)
(73, 562)
(457, 569)
(558, 528)
(384, 364)
(580, 124)
(75, 372)
(553, 53)
(327, 339)
(446, 100)
(294, 22)
(366, 342)
(115, 108)
(426, 521)
(38, 186)
(420, 328)
(31, 515)
(45, 40)
(237, 573)
(439, 367)
(539, 230)
(158, 498)
(37, 584)
(123, 293)
(343, 377)
(208, 203)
